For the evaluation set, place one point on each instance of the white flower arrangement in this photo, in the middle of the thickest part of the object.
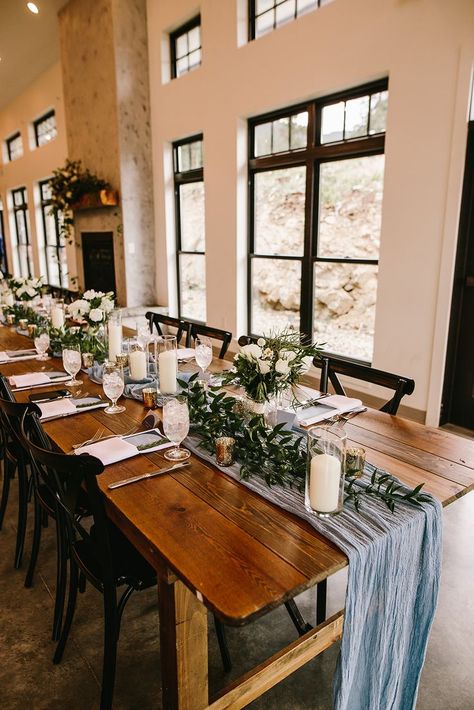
(93, 307)
(271, 365)
(25, 289)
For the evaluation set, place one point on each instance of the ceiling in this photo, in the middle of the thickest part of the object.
(28, 44)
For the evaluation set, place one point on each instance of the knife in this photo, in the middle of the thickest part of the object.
(310, 402)
(141, 477)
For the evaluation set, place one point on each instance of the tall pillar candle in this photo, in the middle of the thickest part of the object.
(137, 363)
(324, 484)
(168, 365)
(115, 340)
(57, 317)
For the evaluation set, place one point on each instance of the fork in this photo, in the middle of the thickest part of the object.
(91, 440)
(95, 438)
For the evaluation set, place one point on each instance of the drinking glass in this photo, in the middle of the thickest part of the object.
(72, 362)
(324, 494)
(203, 353)
(113, 386)
(176, 426)
(42, 345)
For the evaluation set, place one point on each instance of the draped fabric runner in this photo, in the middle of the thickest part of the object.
(392, 590)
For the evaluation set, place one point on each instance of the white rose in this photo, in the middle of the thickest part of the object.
(31, 292)
(251, 351)
(287, 355)
(261, 342)
(282, 367)
(20, 291)
(79, 307)
(89, 295)
(263, 366)
(107, 305)
(96, 315)
(306, 362)
(268, 353)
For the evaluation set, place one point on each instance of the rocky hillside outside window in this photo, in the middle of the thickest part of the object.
(316, 185)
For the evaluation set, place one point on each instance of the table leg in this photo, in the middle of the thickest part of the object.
(183, 648)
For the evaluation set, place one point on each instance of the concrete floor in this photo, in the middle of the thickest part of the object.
(29, 679)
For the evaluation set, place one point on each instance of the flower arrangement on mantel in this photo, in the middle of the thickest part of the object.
(73, 187)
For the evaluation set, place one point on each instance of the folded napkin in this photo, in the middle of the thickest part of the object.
(186, 353)
(326, 408)
(110, 450)
(29, 380)
(17, 355)
(57, 408)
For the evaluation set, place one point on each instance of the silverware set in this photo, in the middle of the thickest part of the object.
(99, 436)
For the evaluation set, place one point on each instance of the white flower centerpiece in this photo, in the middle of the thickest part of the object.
(26, 289)
(92, 308)
(268, 368)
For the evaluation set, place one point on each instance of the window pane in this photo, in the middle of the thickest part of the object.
(264, 23)
(19, 197)
(184, 158)
(182, 66)
(378, 112)
(194, 38)
(196, 155)
(276, 290)
(281, 135)
(192, 285)
(181, 45)
(194, 59)
(46, 193)
(299, 130)
(285, 12)
(53, 266)
(263, 5)
(263, 139)
(332, 128)
(279, 211)
(191, 201)
(50, 228)
(46, 130)
(344, 308)
(21, 229)
(306, 5)
(357, 114)
(350, 207)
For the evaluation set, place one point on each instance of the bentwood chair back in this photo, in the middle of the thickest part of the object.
(333, 365)
(224, 336)
(246, 340)
(162, 323)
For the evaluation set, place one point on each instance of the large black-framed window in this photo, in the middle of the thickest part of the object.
(185, 48)
(14, 146)
(190, 228)
(267, 15)
(315, 204)
(54, 244)
(22, 235)
(3, 251)
(45, 129)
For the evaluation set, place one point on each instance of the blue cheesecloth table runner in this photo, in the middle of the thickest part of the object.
(392, 589)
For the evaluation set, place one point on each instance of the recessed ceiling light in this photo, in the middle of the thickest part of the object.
(32, 7)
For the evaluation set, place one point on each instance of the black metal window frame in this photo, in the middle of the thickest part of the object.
(9, 142)
(174, 36)
(183, 177)
(37, 124)
(59, 247)
(311, 158)
(20, 212)
(3, 249)
(252, 14)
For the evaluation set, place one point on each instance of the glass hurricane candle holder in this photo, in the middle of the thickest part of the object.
(114, 331)
(166, 357)
(324, 492)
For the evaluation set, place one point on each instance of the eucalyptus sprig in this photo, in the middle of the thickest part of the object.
(382, 485)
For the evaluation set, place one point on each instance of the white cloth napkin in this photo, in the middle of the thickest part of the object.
(57, 408)
(328, 407)
(186, 353)
(110, 450)
(29, 380)
(4, 358)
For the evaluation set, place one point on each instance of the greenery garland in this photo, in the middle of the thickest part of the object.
(276, 455)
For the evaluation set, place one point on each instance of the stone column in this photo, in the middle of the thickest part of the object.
(104, 57)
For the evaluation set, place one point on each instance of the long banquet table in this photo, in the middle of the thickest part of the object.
(216, 545)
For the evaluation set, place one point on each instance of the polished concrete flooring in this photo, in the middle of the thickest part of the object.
(29, 679)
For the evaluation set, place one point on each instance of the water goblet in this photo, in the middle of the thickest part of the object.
(42, 345)
(72, 362)
(203, 354)
(176, 426)
(113, 386)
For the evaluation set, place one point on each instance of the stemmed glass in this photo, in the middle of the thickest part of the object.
(72, 362)
(42, 345)
(203, 353)
(113, 386)
(176, 426)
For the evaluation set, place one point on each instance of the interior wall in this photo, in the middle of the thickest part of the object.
(426, 48)
(36, 163)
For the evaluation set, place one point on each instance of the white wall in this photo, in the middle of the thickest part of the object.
(426, 47)
(37, 163)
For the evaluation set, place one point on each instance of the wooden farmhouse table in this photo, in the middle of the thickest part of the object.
(216, 545)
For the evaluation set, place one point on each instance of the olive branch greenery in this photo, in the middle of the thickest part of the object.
(276, 455)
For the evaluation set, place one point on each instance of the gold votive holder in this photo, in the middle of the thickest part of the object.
(32, 328)
(121, 360)
(355, 462)
(23, 323)
(149, 397)
(87, 359)
(225, 450)
(10, 319)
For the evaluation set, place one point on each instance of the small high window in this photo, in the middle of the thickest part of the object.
(14, 146)
(185, 46)
(45, 129)
(267, 15)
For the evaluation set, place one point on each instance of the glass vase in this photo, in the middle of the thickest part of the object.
(324, 492)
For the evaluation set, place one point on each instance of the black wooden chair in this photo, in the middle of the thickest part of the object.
(158, 320)
(224, 336)
(246, 340)
(333, 365)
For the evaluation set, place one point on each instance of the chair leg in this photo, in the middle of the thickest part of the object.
(110, 648)
(82, 582)
(22, 513)
(71, 608)
(35, 545)
(5, 491)
(301, 625)
(61, 579)
(321, 598)
(121, 606)
(223, 646)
